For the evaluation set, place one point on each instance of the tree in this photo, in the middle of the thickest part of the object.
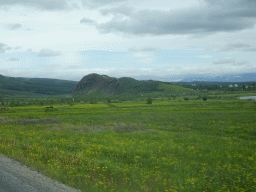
(2, 101)
(12, 104)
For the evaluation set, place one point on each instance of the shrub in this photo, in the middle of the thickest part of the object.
(205, 98)
(93, 101)
(50, 109)
(149, 100)
(186, 98)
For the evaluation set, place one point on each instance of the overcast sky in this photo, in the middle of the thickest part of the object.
(68, 39)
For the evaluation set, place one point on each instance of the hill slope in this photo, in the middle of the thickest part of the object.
(18, 85)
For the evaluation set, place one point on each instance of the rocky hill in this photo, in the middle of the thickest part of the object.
(94, 82)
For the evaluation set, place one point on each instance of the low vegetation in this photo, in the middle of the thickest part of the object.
(170, 145)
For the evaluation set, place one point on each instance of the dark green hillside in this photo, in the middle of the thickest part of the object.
(11, 85)
(130, 85)
(101, 86)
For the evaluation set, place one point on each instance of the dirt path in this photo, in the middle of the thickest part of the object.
(16, 177)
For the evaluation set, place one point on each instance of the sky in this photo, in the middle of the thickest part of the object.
(68, 39)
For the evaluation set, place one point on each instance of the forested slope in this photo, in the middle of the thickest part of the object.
(36, 85)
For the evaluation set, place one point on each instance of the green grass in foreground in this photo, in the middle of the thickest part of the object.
(132, 146)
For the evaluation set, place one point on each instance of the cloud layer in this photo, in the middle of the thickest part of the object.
(214, 16)
(39, 4)
(127, 38)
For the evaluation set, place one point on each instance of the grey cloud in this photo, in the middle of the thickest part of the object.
(17, 48)
(240, 63)
(239, 46)
(48, 53)
(228, 61)
(15, 26)
(39, 4)
(88, 22)
(144, 49)
(8, 48)
(13, 59)
(3, 47)
(100, 3)
(220, 61)
(124, 10)
(224, 16)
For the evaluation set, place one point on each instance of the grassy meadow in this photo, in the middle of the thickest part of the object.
(170, 145)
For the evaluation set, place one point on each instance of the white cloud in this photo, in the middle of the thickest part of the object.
(68, 60)
(143, 57)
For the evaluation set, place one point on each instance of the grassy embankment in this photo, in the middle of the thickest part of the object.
(130, 146)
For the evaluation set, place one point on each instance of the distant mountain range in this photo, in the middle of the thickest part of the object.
(244, 77)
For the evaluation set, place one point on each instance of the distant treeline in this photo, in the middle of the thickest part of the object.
(222, 86)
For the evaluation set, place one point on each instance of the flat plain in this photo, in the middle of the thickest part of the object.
(170, 145)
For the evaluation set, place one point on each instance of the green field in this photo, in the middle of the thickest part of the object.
(170, 145)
